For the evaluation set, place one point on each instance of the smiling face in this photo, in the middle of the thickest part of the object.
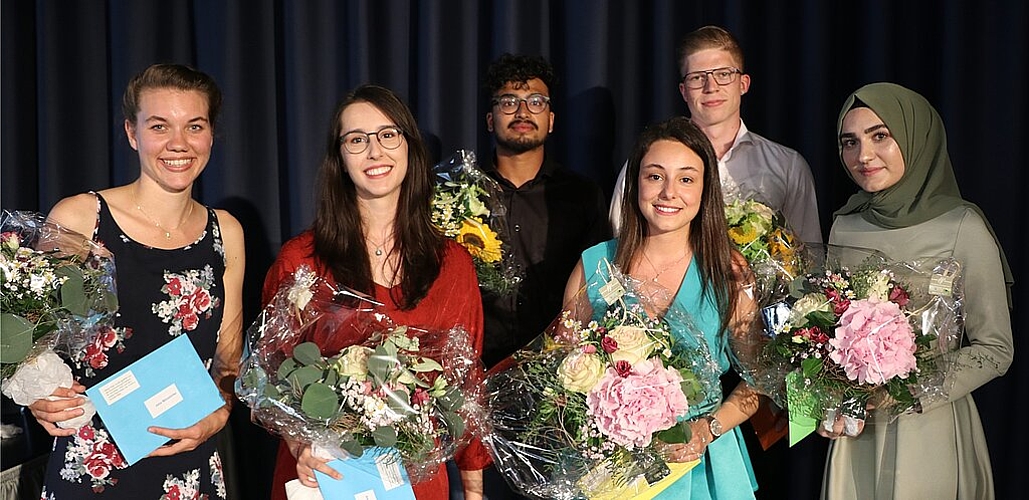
(173, 136)
(522, 131)
(377, 172)
(713, 103)
(869, 152)
(671, 185)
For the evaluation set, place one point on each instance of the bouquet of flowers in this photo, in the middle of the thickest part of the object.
(769, 245)
(574, 414)
(875, 336)
(393, 388)
(58, 296)
(467, 208)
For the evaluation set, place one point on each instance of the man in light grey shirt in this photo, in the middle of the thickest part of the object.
(750, 166)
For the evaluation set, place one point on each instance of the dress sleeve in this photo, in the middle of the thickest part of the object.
(988, 352)
(468, 308)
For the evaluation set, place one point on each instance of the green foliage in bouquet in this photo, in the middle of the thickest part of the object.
(387, 396)
(42, 289)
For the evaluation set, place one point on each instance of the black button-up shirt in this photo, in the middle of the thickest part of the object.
(551, 219)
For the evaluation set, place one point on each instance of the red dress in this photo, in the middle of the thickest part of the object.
(453, 300)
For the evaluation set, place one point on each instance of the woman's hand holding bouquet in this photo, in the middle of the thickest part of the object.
(58, 300)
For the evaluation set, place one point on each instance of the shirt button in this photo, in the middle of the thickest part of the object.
(518, 227)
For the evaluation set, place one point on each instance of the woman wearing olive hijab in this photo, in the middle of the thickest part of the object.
(894, 147)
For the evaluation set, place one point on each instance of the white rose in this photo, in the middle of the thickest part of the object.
(353, 362)
(634, 345)
(579, 371)
(879, 287)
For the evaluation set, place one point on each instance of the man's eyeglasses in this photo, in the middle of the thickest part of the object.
(357, 142)
(509, 103)
(722, 76)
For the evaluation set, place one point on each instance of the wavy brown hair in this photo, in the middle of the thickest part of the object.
(339, 239)
(708, 232)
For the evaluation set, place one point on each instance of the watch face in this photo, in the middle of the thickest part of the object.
(715, 427)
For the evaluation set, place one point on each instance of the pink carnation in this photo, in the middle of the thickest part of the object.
(874, 342)
(629, 410)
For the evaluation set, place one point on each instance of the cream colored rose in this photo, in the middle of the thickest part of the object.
(579, 371)
(353, 362)
(806, 305)
(634, 345)
(879, 287)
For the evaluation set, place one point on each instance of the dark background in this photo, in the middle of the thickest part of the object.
(282, 66)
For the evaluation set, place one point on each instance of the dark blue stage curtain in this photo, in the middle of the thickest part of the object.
(284, 64)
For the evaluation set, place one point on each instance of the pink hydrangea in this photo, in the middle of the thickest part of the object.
(629, 409)
(874, 342)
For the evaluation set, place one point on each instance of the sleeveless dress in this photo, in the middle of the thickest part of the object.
(162, 294)
(725, 471)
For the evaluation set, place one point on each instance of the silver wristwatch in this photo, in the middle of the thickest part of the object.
(714, 426)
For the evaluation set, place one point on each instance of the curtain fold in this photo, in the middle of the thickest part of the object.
(283, 65)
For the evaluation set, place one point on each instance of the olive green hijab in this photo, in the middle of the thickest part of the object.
(928, 187)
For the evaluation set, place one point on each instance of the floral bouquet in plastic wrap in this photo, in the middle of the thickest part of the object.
(395, 390)
(468, 209)
(575, 413)
(772, 250)
(58, 299)
(875, 335)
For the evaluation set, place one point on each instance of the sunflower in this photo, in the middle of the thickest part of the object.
(743, 234)
(480, 240)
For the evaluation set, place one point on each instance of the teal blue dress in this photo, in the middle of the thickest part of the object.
(725, 471)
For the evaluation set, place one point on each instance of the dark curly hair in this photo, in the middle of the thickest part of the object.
(518, 68)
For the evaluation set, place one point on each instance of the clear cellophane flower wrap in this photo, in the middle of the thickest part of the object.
(575, 413)
(764, 237)
(860, 332)
(467, 207)
(390, 386)
(58, 300)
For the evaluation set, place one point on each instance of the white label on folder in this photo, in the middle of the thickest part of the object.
(389, 471)
(365, 495)
(163, 401)
(119, 387)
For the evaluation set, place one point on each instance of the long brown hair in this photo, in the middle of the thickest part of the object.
(339, 239)
(708, 232)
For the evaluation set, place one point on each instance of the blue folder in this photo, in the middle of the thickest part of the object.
(378, 474)
(167, 388)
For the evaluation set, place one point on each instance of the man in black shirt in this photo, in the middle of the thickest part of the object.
(553, 213)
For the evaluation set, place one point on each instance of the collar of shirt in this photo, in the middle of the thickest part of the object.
(742, 135)
(546, 170)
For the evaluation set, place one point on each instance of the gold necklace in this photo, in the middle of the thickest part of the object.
(166, 231)
(659, 273)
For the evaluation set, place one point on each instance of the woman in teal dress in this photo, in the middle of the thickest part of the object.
(673, 234)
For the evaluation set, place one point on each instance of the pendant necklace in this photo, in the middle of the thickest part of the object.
(659, 273)
(378, 246)
(167, 231)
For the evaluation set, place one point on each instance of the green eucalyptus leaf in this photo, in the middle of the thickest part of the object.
(451, 400)
(287, 367)
(380, 364)
(455, 424)
(304, 376)
(15, 338)
(307, 354)
(385, 436)
(73, 293)
(427, 365)
(320, 402)
(352, 447)
(399, 402)
(110, 301)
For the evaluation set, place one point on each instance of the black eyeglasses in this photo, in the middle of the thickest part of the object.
(509, 103)
(722, 76)
(356, 142)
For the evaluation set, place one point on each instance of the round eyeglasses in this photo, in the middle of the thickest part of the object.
(722, 76)
(509, 103)
(357, 142)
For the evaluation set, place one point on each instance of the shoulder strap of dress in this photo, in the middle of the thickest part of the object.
(100, 204)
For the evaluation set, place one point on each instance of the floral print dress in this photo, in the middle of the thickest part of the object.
(162, 294)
